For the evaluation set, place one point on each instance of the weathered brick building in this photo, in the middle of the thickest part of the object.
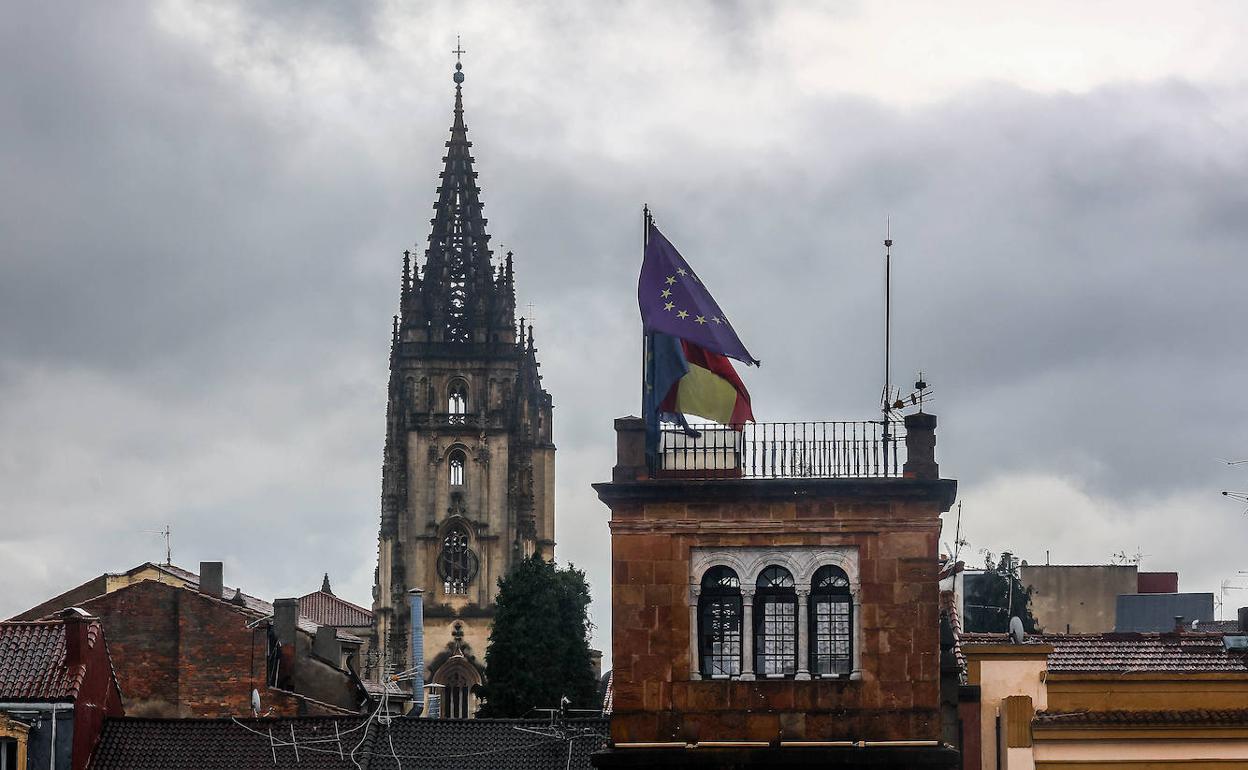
(184, 645)
(56, 688)
(784, 619)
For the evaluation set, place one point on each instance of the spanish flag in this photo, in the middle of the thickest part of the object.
(688, 379)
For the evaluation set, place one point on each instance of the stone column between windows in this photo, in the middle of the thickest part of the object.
(695, 672)
(803, 638)
(747, 634)
(855, 627)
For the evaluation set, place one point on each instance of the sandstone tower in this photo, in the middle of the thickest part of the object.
(469, 467)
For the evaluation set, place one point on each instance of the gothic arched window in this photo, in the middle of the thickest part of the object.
(831, 621)
(457, 401)
(775, 623)
(455, 465)
(719, 623)
(457, 564)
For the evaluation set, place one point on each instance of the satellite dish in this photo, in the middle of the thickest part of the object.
(255, 701)
(1017, 634)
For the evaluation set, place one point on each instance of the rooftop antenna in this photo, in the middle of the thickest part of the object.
(887, 401)
(1240, 496)
(958, 542)
(168, 533)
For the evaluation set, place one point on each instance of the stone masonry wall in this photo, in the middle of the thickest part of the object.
(897, 696)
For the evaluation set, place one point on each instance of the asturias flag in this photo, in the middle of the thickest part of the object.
(687, 369)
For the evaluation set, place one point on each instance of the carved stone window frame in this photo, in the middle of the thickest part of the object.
(802, 561)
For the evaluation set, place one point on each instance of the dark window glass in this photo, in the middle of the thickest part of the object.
(457, 564)
(831, 623)
(719, 623)
(457, 400)
(775, 623)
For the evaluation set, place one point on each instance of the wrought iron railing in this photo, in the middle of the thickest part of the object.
(769, 450)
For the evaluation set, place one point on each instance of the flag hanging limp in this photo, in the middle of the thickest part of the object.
(692, 380)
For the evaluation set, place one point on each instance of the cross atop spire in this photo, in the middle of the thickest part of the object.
(459, 50)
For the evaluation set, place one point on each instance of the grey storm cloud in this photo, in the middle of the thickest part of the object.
(202, 214)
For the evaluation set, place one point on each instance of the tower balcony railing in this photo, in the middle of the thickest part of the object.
(779, 450)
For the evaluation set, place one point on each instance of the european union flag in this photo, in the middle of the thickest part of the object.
(674, 301)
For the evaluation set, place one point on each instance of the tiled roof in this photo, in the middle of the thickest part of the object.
(328, 610)
(1131, 652)
(32, 662)
(252, 603)
(1219, 626)
(1196, 717)
(329, 742)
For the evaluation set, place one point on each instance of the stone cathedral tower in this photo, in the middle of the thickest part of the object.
(469, 467)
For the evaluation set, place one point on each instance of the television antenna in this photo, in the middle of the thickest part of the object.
(168, 533)
(1234, 495)
(1122, 558)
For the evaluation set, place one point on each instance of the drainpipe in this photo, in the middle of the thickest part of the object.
(416, 604)
(52, 748)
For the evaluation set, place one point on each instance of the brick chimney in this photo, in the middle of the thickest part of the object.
(77, 622)
(210, 578)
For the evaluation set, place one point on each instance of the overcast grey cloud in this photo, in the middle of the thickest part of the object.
(203, 208)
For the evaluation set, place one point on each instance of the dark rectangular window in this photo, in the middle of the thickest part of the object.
(775, 643)
(831, 653)
(720, 635)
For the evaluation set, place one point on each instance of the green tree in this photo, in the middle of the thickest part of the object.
(996, 596)
(539, 644)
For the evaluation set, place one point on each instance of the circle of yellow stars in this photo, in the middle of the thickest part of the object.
(681, 313)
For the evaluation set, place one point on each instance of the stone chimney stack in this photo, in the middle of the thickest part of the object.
(286, 620)
(326, 645)
(210, 578)
(921, 447)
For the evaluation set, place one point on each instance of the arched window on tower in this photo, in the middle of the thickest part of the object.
(719, 623)
(455, 466)
(457, 401)
(831, 620)
(775, 623)
(457, 564)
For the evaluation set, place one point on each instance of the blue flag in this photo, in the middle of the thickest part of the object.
(674, 301)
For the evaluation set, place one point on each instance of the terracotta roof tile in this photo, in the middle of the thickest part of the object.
(1130, 652)
(32, 662)
(1198, 717)
(328, 610)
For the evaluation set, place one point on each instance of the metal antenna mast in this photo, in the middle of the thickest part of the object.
(888, 315)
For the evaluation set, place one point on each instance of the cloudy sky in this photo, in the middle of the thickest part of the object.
(203, 208)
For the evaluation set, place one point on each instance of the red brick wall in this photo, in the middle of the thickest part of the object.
(98, 697)
(180, 653)
(898, 695)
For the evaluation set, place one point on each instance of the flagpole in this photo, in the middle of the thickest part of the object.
(888, 317)
(645, 338)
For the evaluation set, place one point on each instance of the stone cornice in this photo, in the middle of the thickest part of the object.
(857, 490)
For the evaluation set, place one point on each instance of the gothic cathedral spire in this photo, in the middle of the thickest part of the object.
(459, 298)
(468, 467)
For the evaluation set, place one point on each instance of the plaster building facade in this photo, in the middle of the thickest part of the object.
(791, 620)
(469, 466)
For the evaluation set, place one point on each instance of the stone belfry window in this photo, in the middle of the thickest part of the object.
(457, 401)
(457, 564)
(719, 621)
(775, 623)
(455, 465)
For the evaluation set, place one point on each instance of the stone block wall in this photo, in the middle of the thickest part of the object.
(893, 524)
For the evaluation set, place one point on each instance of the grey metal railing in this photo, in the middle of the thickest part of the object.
(768, 450)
